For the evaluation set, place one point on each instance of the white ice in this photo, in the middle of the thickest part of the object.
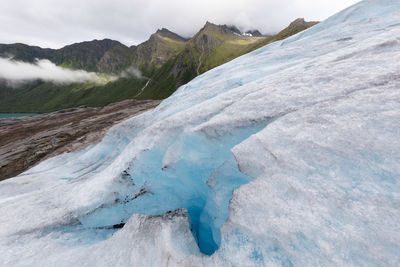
(305, 131)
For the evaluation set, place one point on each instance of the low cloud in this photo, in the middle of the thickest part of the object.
(17, 72)
(131, 72)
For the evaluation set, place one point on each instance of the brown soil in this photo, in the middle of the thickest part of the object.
(26, 141)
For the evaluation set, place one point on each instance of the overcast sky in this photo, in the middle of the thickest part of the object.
(55, 23)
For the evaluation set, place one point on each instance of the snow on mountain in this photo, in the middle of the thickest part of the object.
(304, 132)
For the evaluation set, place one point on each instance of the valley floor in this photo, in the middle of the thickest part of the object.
(28, 140)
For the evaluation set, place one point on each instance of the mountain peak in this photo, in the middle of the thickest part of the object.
(296, 26)
(211, 27)
(164, 32)
(300, 22)
(103, 45)
(229, 29)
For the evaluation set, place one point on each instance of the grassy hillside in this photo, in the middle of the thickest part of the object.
(38, 97)
(295, 27)
(166, 61)
(215, 45)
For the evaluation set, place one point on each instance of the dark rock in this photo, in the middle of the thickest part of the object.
(234, 29)
(254, 33)
(118, 226)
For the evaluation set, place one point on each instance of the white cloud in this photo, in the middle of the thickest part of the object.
(131, 72)
(54, 23)
(16, 72)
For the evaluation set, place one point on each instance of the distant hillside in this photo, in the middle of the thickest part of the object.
(25, 52)
(295, 27)
(212, 46)
(90, 56)
(166, 61)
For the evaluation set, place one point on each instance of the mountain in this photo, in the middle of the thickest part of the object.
(296, 26)
(116, 59)
(90, 56)
(24, 52)
(162, 46)
(171, 35)
(166, 62)
(106, 55)
(287, 156)
(214, 45)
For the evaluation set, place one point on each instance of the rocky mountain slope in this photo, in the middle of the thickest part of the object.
(166, 61)
(162, 46)
(90, 56)
(212, 46)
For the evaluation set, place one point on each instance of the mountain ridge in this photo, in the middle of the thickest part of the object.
(166, 61)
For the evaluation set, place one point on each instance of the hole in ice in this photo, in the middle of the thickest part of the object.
(195, 171)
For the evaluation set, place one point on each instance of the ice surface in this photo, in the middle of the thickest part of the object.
(304, 132)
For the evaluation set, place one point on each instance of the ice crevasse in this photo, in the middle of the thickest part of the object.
(287, 156)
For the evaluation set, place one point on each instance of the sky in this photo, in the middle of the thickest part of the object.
(56, 23)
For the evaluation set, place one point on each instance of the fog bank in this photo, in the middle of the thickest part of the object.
(17, 72)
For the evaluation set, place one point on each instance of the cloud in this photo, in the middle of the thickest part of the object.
(55, 23)
(17, 72)
(131, 72)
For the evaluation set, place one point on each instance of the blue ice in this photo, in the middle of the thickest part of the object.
(201, 180)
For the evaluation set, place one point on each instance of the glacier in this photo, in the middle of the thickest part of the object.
(286, 156)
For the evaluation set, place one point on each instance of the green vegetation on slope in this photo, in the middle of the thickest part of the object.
(166, 61)
(41, 97)
(295, 27)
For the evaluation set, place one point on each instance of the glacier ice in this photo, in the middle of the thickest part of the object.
(287, 156)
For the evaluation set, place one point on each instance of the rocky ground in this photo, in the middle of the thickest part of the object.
(26, 141)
